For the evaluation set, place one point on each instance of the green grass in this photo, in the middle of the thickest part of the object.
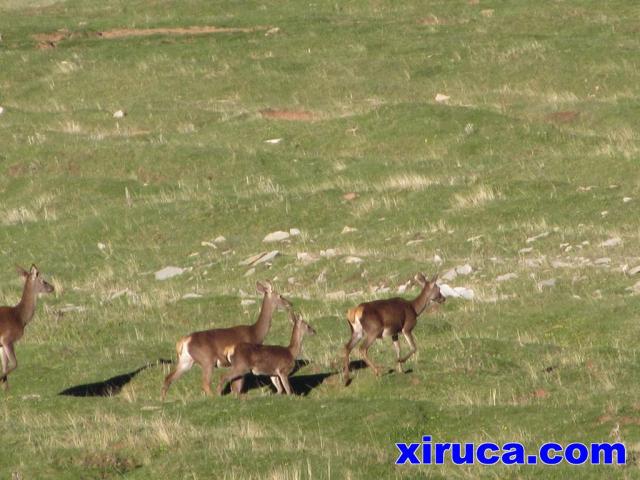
(470, 179)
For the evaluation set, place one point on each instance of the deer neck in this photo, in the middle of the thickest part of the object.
(296, 340)
(263, 324)
(420, 302)
(27, 306)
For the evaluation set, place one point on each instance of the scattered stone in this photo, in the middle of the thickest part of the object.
(219, 239)
(209, 244)
(307, 258)
(30, 396)
(525, 250)
(352, 259)
(68, 308)
(328, 253)
(272, 31)
(602, 261)
(597, 294)
(457, 292)
(533, 262)
(414, 242)
(547, 283)
(294, 232)
(322, 277)
(276, 236)
(187, 296)
(464, 269)
(1, 110)
(604, 213)
(635, 288)
(260, 258)
(537, 237)
(624, 200)
(506, 277)
(612, 242)
(350, 196)
(291, 280)
(474, 239)
(357, 293)
(487, 12)
(339, 295)
(437, 259)
(560, 264)
(119, 114)
(246, 302)
(101, 246)
(169, 272)
(348, 229)
(449, 275)
(249, 272)
(273, 141)
(442, 98)
(634, 270)
(403, 288)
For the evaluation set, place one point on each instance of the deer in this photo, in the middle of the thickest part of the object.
(207, 347)
(273, 360)
(388, 318)
(13, 320)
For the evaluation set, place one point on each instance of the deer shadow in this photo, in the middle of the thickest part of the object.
(301, 385)
(109, 387)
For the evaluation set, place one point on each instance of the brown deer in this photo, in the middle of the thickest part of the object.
(206, 348)
(387, 318)
(14, 319)
(276, 361)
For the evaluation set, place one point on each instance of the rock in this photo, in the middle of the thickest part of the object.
(487, 12)
(352, 259)
(169, 272)
(414, 242)
(525, 250)
(273, 141)
(246, 302)
(291, 280)
(437, 259)
(348, 229)
(208, 244)
(294, 232)
(560, 264)
(474, 239)
(219, 239)
(187, 296)
(464, 269)
(350, 196)
(604, 213)
(624, 200)
(533, 262)
(328, 253)
(101, 246)
(120, 293)
(1, 110)
(276, 236)
(119, 114)
(336, 295)
(634, 270)
(612, 242)
(547, 283)
(449, 275)
(457, 292)
(442, 98)
(537, 237)
(307, 258)
(602, 261)
(249, 272)
(259, 258)
(506, 277)
(635, 288)
(403, 288)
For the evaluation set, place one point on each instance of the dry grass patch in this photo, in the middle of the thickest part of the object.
(476, 198)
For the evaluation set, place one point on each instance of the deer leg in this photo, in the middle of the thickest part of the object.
(412, 344)
(364, 350)
(4, 380)
(232, 375)
(285, 381)
(396, 347)
(237, 385)
(276, 383)
(206, 378)
(356, 336)
(185, 362)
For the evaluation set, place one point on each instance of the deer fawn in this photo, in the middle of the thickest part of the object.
(387, 318)
(276, 361)
(206, 348)
(14, 319)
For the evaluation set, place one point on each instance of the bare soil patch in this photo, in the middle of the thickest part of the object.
(292, 115)
(564, 116)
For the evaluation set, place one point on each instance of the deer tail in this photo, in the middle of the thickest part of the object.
(228, 352)
(354, 315)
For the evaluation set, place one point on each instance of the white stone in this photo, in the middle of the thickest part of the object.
(352, 259)
(602, 261)
(276, 236)
(208, 244)
(414, 242)
(526, 250)
(101, 246)
(328, 253)
(456, 292)
(168, 272)
(537, 237)
(294, 232)
(246, 302)
(259, 258)
(612, 242)
(442, 98)
(348, 229)
(634, 270)
(465, 269)
(219, 239)
(506, 277)
(437, 259)
(187, 296)
(119, 114)
(307, 258)
(547, 283)
(273, 141)
(1, 110)
(626, 199)
(249, 272)
(560, 264)
(449, 274)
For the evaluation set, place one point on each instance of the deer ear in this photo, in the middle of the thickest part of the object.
(34, 270)
(261, 288)
(21, 271)
(268, 285)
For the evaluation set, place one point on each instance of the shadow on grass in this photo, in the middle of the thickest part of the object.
(109, 387)
(301, 385)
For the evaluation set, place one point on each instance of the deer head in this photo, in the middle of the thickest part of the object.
(297, 320)
(431, 285)
(277, 300)
(34, 280)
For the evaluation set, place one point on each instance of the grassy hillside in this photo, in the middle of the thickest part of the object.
(320, 116)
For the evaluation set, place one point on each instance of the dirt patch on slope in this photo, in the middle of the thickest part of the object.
(292, 115)
(563, 117)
